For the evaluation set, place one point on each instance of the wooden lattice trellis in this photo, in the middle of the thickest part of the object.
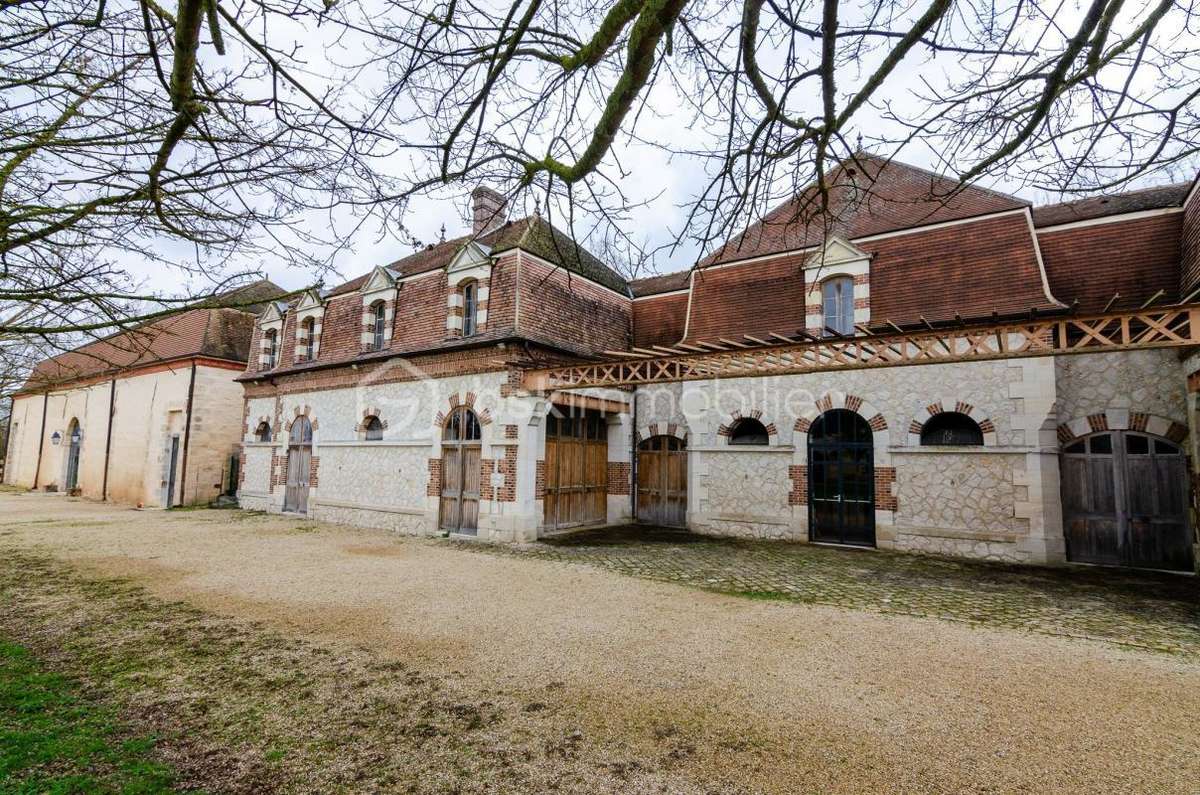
(1175, 326)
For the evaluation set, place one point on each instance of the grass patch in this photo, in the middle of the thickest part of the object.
(52, 739)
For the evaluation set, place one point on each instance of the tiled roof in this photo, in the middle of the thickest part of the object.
(867, 196)
(653, 285)
(1100, 206)
(532, 234)
(214, 332)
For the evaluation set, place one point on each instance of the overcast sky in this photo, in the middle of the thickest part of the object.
(667, 183)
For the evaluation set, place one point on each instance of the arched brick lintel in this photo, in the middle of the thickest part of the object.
(468, 400)
(840, 400)
(923, 415)
(725, 430)
(660, 429)
(1122, 420)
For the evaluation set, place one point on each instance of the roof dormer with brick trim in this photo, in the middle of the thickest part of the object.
(468, 282)
(379, 295)
(270, 335)
(838, 295)
(310, 311)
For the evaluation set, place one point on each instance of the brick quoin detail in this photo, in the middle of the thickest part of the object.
(539, 482)
(1137, 421)
(798, 474)
(885, 479)
(510, 431)
(1099, 422)
(314, 464)
(434, 487)
(619, 475)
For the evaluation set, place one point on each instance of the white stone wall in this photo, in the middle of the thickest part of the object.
(741, 491)
(1149, 381)
(990, 503)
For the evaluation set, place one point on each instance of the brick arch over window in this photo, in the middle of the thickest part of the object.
(923, 415)
(307, 412)
(1123, 420)
(661, 429)
(367, 414)
(725, 430)
(838, 400)
(467, 399)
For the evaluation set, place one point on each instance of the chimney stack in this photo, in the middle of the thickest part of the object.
(488, 210)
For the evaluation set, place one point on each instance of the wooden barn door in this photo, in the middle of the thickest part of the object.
(576, 471)
(461, 450)
(841, 499)
(295, 494)
(662, 481)
(1125, 502)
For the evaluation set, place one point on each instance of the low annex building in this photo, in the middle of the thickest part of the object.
(418, 397)
(150, 416)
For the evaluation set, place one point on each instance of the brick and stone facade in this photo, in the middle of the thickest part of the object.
(980, 256)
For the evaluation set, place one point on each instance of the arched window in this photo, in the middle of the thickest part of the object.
(262, 433)
(272, 348)
(461, 426)
(837, 298)
(951, 429)
(372, 429)
(378, 322)
(307, 341)
(470, 302)
(748, 431)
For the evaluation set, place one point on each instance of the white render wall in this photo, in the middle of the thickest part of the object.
(150, 407)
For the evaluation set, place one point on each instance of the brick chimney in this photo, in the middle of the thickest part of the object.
(487, 210)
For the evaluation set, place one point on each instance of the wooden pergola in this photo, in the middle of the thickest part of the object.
(785, 354)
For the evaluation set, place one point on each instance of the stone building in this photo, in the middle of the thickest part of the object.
(150, 416)
(924, 366)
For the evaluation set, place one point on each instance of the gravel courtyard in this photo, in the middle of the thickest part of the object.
(601, 681)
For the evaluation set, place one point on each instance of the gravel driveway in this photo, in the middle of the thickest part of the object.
(775, 696)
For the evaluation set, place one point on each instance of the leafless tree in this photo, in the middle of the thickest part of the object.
(549, 94)
(141, 139)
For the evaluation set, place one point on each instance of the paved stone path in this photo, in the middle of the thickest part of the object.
(1139, 609)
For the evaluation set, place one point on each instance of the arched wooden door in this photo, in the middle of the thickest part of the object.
(841, 476)
(1125, 501)
(299, 460)
(461, 448)
(576, 470)
(75, 442)
(662, 481)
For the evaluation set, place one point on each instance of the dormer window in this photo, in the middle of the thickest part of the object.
(470, 305)
(307, 339)
(837, 299)
(378, 324)
(271, 352)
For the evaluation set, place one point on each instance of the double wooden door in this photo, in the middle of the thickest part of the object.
(576, 470)
(461, 472)
(841, 475)
(1125, 501)
(662, 481)
(299, 462)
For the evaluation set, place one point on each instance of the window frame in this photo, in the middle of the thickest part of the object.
(469, 291)
(259, 435)
(956, 416)
(308, 333)
(272, 336)
(842, 320)
(372, 429)
(740, 437)
(378, 324)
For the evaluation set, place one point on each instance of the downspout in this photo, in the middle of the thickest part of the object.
(187, 435)
(633, 456)
(8, 442)
(37, 473)
(112, 405)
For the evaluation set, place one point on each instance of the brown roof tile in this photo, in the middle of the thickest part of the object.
(1115, 204)
(868, 196)
(664, 283)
